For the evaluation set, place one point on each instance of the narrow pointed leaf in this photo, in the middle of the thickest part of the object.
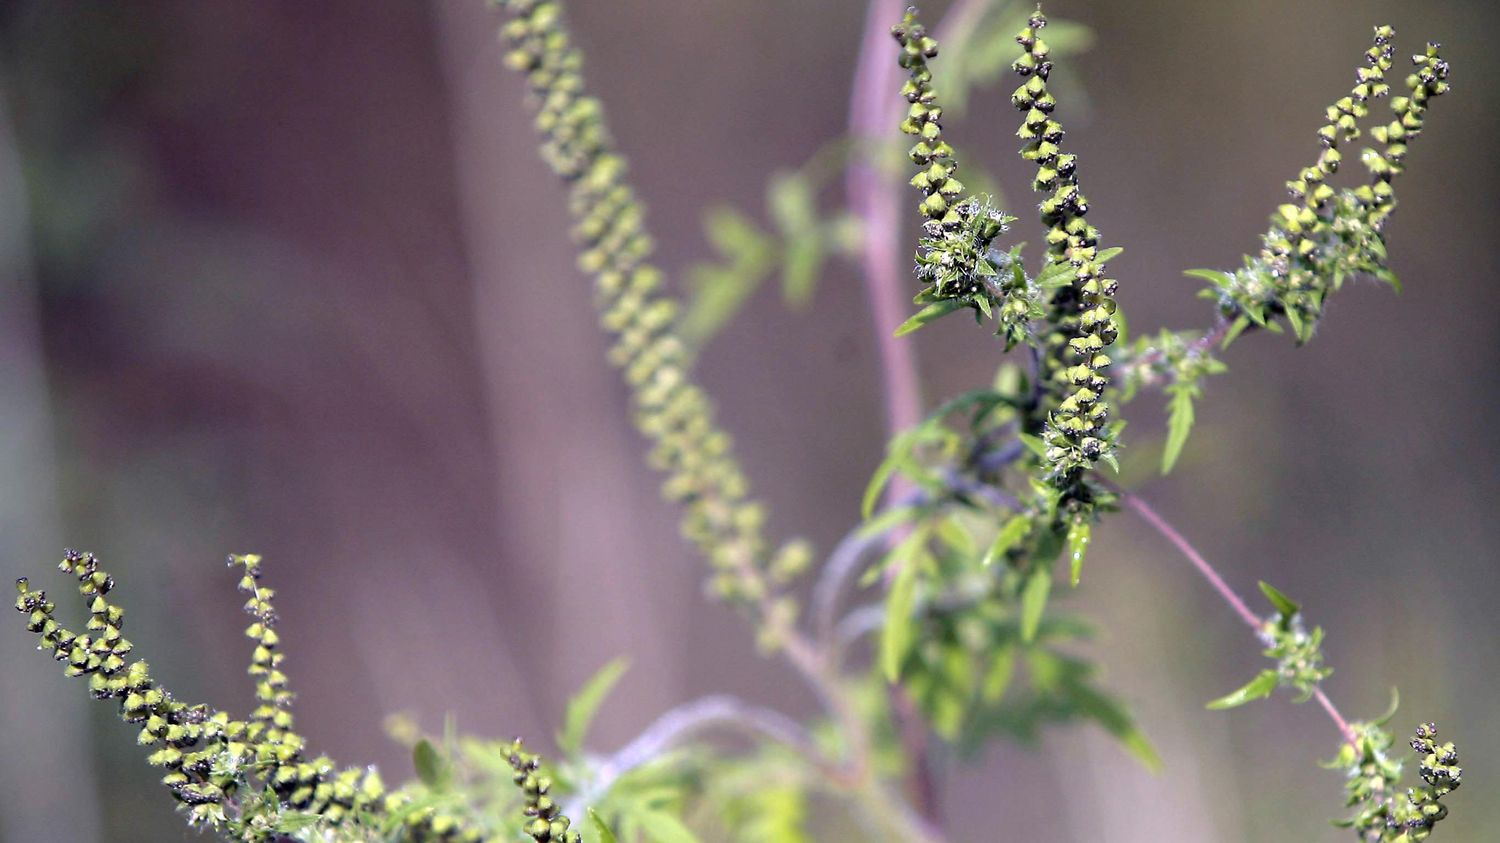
(1014, 530)
(600, 829)
(1284, 604)
(1116, 720)
(897, 636)
(1001, 670)
(1034, 600)
(585, 704)
(1079, 534)
(1222, 280)
(930, 313)
(432, 768)
(1258, 688)
(1179, 425)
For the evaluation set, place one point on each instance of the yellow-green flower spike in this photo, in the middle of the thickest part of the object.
(1326, 235)
(545, 820)
(954, 259)
(1430, 79)
(674, 413)
(932, 155)
(1081, 321)
(1384, 812)
(236, 777)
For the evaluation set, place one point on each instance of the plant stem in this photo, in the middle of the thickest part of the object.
(1212, 337)
(1170, 533)
(687, 721)
(873, 115)
(873, 197)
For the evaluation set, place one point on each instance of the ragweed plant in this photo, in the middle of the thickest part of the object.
(964, 523)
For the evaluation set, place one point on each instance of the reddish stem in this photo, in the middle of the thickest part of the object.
(874, 112)
(1150, 516)
(1170, 534)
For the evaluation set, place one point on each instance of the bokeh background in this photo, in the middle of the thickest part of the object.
(289, 278)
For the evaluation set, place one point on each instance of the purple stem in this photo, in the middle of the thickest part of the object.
(874, 111)
(1170, 534)
(874, 199)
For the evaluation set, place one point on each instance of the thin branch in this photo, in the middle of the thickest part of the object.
(835, 574)
(1170, 533)
(1212, 337)
(688, 721)
(1150, 516)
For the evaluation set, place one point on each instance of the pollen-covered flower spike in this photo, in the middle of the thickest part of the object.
(546, 823)
(1081, 315)
(932, 155)
(1386, 814)
(955, 260)
(1326, 235)
(240, 778)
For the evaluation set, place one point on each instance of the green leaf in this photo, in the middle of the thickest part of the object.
(953, 534)
(1284, 604)
(720, 289)
(1001, 670)
(897, 453)
(1014, 530)
(432, 768)
(1259, 687)
(790, 199)
(1390, 710)
(889, 519)
(602, 830)
(1034, 600)
(877, 483)
(1117, 721)
(290, 822)
(1239, 326)
(1106, 255)
(1389, 277)
(1179, 424)
(1033, 444)
(930, 313)
(1054, 275)
(718, 294)
(733, 234)
(585, 704)
(898, 633)
(1299, 328)
(1079, 533)
(662, 827)
(1222, 280)
(801, 259)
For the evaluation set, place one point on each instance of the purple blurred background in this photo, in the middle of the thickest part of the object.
(289, 278)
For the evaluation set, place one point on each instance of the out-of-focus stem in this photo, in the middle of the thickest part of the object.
(47, 765)
(874, 112)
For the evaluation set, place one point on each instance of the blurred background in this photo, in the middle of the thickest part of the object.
(289, 278)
